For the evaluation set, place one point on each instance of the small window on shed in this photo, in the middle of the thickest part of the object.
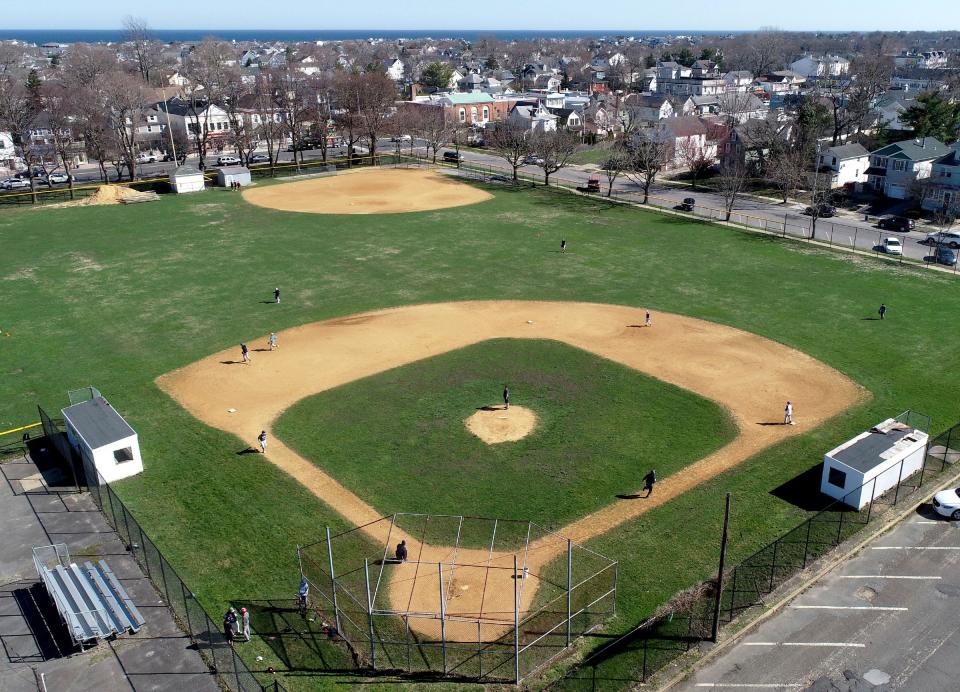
(837, 477)
(123, 455)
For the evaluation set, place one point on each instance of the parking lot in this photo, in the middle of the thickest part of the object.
(886, 620)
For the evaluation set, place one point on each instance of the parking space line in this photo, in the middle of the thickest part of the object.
(915, 547)
(884, 576)
(751, 685)
(830, 607)
(849, 645)
(926, 522)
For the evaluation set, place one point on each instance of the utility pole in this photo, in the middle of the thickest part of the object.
(723, 559)
(814, 206)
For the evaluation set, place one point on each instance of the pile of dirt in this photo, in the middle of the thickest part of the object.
(109, 194)
(495, 424)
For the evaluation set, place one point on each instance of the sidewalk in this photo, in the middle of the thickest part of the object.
(39, 506)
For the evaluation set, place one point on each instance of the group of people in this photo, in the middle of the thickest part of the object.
(236, 624)
(235, 185)
(245, 350)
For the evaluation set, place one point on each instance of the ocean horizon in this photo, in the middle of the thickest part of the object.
(41, 36)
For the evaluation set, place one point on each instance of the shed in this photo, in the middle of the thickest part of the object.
(187, 178)
(103, 437)
(233, 174)
(873, 462)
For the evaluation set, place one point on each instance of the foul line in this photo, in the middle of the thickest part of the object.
(882, 576)
(754, 685)
(22, 427)
(915, 547)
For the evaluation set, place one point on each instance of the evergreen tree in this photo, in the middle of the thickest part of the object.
(933, 116)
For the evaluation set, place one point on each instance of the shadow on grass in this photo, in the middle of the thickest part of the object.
(803, 491)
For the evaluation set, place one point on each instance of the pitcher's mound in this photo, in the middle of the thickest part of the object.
(368, 191)
(496, 424)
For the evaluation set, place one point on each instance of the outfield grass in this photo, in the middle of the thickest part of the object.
(593, 155)
(398, 440)
(115, 296)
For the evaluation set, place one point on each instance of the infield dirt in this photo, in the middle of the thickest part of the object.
(752, 377)
(368, 191)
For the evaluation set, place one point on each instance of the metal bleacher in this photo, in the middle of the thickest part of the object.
(90, 599)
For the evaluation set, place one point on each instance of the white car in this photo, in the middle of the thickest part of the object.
(947, 503)
(400, 138)
(16, 184)
(147, 158)
(58, 178)
(948, 238)
(228, 161)
(892, 246)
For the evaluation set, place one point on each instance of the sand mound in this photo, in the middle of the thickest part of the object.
(494, 424)
(368, 191)
(106, 194)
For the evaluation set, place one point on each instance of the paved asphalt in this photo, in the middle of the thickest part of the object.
(888, 619)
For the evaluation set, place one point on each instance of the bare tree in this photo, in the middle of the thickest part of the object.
(786, 168)
(347, 114)
(83, 63)
(617, 163)
(146, 52)
(851, 97)
(295, 108)
(61, 107)
(122, 97)
(18, 109)
(554, 149)
(698, 156)
(93, 125)
(730, 183)
(648, 156)
(377, 94)
(269, 127)
(509, 141)
(433, 127)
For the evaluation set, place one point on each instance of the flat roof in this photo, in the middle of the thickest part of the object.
(97, 422)
(872, 450)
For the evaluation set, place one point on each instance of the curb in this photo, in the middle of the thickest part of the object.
(722, 646)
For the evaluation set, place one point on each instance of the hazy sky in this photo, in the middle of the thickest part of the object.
(618, 15)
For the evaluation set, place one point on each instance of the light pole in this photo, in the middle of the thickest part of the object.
(814, 207)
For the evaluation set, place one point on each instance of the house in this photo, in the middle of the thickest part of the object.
(942, 192)
(191, 117)
(826, 67)
(738, 80)
(647, 107)
(686, 137)
(178, 80)
(568, 118)
(393, 68)
(842, 165)
(896, 168)
(928, 60)
(474, 108)
(702, 79)
(535, 118)
(8, 155)
(308, 65)
(749, 142)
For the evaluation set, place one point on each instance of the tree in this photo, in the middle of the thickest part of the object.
(437, 75)
(146, 51)
(83, 63)
(270, 125)
(731, 181)
(510, 141)
(554, 149)
(697, 157)
(851, 98)
(33, 85)
(347, 114)
(122, 98)
(617, 163)
(377, 95)
(432, 126)
(786, 167)
(933, 116)
(18, 109)
(61, 105)
(647, 157)
(293, 98)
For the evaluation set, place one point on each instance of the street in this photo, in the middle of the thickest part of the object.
(886, 619)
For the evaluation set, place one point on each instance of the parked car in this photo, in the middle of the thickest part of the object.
(16, 184)
(533, 160)
(260, 158)
(948, 238)
(57, 178)
(180, 158)
(896, 223)
(892, 246)
(944, 255)
(228, 161)
(146, 158)
(452, 156)
(687, 204)
(824, 211)
(400, 138)
(947, 503)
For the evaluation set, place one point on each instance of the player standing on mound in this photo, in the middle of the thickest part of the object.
(506, 397)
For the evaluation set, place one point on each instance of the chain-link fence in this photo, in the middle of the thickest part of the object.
(656, 642)
(209, 640)
(468, 597)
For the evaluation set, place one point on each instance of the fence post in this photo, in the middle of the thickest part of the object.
(840, 527)
(569, 585)
(873, 494)
(333, 583)
(723, 558)
(366, 581)
(516, 625)
(806, 543)
(733, 593)
(443, 618)
(896, 493)
(186, 609)
(773, 564)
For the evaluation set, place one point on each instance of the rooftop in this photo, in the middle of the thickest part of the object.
(97, 422)
(880, 444)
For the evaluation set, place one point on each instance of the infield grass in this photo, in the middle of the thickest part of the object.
(115, 296)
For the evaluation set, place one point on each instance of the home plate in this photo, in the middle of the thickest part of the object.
(529, 321)
(231, 410)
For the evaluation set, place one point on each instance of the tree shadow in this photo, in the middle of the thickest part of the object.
(803, 491)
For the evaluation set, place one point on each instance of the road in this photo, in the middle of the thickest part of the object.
(886, 620)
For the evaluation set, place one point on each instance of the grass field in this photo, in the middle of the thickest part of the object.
(601, 427)
(115, 296)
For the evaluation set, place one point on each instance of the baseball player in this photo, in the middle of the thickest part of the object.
(244, 352)
(506, 397)
(262, 439)
(788, 414)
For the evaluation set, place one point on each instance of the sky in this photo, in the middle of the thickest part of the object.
(611, 15)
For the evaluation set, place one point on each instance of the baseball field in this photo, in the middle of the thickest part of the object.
(398, 328)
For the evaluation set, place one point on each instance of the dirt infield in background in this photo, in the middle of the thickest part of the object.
(752, 377)
(495, 424)
(368, 191)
